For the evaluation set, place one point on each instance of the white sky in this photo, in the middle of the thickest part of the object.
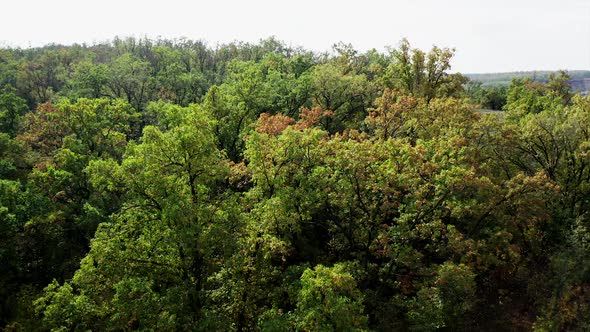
(489, 36)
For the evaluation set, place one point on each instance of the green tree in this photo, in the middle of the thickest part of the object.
(175, 80)
(423, 74)
(157, 234)
(130, 78)
(12, 108)
(345, 93)
(88, 80)
(329, 300)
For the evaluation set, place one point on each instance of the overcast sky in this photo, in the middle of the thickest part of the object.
(489, 36)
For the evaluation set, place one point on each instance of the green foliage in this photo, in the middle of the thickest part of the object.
(88, 80)
(167, 177)
(345, 93)
(329, 300)
(423, 74)
(274, 85)
(492, 98)
(166, 185)
(11, 157)
(129, 77)
(12, 108)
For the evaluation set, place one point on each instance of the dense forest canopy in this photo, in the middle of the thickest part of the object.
(167, 185)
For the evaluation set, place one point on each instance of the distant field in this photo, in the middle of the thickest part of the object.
(504, 79)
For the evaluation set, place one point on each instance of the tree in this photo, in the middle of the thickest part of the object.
(130, 78)
(12, 108)
(526, 96)
(329, 300)
(39, 79)
(345, 93)
(175, 81)
(423, 74)
(392, 114)
(168, 207)
(494, 98)
(89, 80)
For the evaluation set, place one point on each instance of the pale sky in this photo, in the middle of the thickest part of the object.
(489, 36)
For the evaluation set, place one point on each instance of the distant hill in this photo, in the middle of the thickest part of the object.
(504, 79)
(581, 86)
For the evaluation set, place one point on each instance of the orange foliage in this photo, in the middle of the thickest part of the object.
(44, 129)
(309, 117)
(273, 124)
(391, 112)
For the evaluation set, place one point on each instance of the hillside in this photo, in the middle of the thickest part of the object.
(504, 79)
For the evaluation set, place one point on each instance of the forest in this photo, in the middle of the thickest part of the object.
(168, 185)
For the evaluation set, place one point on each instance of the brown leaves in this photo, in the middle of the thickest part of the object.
(240, 176)
(391, 112)
(44, 129)
(310, 117)
(275, 124)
